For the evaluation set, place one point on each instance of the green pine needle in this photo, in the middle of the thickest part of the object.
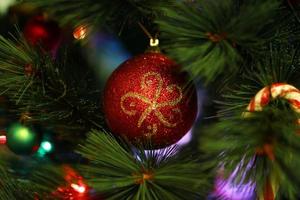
(123, 172)
(13, 187)
(237, 141)
(280, 65)
(56, 92)
(15, 54)
(105, 12)
(47, 178)
(21, 178)
(210, 37)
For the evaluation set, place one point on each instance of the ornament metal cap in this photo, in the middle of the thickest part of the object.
(153, 46)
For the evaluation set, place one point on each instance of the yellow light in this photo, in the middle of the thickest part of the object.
(80, 32)
(5, 4)
(23, 133)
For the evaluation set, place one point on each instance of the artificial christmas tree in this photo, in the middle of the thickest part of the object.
(67, 135)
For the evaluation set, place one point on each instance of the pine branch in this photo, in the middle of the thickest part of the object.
(13, 59)
(104, 12)
(13, 188)
(28, 178)
(280, 65)
(52, 92)
(262, 145)
(210, 38)
(122, 172)
(45, 184)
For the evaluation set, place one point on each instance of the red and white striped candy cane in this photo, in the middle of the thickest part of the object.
(276, 90)
(261, 99)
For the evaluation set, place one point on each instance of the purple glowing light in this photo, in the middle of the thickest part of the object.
(175, 147)
(228, 189)
(186, 139)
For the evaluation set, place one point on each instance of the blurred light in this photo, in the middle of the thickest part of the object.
(80, 32)
(45, 148)
(105, 53)
(5, 4)
(227, 189)
(46, 145)
(2, 139)
(23, 133)
(78, 188)
(172, 150)
(186, 139)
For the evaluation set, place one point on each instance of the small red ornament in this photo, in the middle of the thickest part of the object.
(76, 188)
(40, 31)
(145, 101)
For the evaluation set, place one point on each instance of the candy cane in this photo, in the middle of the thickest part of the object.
(262, 99)
(276, 90)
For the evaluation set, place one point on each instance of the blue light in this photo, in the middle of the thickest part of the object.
(47, 146)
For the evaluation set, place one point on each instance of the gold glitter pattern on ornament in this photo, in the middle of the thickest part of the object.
(153, 104)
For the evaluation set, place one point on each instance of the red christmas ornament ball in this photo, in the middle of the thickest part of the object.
(40, 31)
(145, 101)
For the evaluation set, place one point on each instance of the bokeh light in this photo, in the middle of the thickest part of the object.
(5, 4)
(46, 145)
(78, 188)
(105, 53)
(21, 133)
(80, 32)
(226, 189)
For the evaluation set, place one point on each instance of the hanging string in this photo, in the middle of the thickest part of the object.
(154, 41)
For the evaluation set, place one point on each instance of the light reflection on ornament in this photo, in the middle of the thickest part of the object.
(2, 139)
(173, 148)
(80, 32)
(5, 4)
(23, 134)
(227, 189)
(185, 139)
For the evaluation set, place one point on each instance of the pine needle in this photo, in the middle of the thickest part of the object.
(239, 142)
(124, 172)
(210, 38)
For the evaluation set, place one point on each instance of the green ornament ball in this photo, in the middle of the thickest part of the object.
(23, 140)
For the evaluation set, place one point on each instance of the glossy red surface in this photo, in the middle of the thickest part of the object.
(145, 101)
(46, 33)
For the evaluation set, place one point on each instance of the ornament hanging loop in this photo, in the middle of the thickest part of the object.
(154, 42)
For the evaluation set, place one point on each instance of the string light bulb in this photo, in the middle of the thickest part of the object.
(78, 188)
(80, 32)
(47, 146)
